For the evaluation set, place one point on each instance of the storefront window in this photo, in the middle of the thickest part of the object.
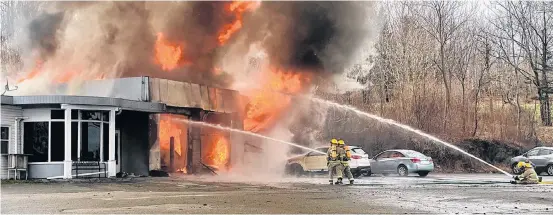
(57, 143)
(91, 115)
(90, 141)
(89, 137)
(74, 141)
(106, 142)
(36, 141)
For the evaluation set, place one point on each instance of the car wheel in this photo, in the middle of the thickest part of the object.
(402, 170)
(367, 173)
(550, 169)
(423, 174)
(515, 170)
(296, 170)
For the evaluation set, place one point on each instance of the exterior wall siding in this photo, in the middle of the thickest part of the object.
(45, 170)
(8, 114)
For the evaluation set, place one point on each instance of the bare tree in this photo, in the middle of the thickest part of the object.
(443, 20)
(523, 31)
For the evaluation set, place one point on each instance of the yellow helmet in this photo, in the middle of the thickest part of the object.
(341, 142)
(334, 141)
(524, 164)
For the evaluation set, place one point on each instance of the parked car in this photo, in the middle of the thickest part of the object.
(402, 162)
(313, 162)
(541, 157)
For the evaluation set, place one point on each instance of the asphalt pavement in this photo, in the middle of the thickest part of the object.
(434, 194)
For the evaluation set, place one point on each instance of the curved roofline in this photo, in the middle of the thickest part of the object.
(85, 100)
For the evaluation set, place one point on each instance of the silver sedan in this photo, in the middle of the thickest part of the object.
(401, 162)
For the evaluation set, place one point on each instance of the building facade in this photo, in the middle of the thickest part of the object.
(133, 125)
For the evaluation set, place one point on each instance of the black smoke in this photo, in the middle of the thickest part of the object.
(314, 36)
(43, 33)
(317, 36)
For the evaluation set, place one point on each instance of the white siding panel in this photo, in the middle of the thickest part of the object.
(37, 115)
(8, 115)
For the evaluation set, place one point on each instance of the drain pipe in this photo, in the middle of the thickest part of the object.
(17, 136)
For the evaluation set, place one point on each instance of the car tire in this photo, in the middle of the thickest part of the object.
(423, 174)
(515, 170)
(367, 173)
(402, 170)
(296, 170)
(549, 169)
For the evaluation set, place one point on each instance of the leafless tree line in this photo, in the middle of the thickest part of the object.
(463, 70)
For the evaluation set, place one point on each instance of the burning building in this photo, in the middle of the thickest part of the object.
(140, 127)
(162, 63)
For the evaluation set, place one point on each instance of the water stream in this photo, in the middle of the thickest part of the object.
(405, 127)
(219, 127)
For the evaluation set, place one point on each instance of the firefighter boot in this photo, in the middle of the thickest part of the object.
(339, 181)
(351, 182)
(331, 182)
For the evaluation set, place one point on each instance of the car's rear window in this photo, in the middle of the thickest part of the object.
(414, 154)
(358, 150)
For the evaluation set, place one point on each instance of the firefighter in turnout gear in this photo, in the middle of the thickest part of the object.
(345, 158)
(333, 161)
(528, 176)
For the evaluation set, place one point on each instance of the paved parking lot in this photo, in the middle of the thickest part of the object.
(437, 193)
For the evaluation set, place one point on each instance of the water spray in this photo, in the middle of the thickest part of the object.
(219, 127)
(405, 127)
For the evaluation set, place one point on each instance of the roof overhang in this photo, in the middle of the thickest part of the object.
(84, 100)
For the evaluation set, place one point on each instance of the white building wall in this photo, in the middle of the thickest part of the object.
(8, 115)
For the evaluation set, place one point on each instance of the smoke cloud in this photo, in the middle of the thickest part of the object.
(78, 41)
(116, 39)
(320, 36)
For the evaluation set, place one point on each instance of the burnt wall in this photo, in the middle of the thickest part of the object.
(134, 141)
(194, 144)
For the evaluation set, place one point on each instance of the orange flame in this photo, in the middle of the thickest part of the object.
(236, 8)
(167, 54)
(218, 153)
(268, 104)
(65, 77)
(169, 128)
(36, 70)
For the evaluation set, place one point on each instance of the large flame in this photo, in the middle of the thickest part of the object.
(237, 9)
(167, 54)
(267, 105)
(217, 152)
(170, 126)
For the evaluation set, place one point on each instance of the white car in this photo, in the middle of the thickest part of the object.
(313, 162)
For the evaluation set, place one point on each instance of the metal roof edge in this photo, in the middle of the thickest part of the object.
(88, 100)
(6, 100)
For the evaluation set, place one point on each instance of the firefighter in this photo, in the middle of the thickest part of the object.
(528, 176)
(345, 158)
(333, 162)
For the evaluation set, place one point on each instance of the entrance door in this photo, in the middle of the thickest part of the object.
(118, 150)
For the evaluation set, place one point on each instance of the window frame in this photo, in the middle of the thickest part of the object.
(533, 150)
(387, 153)
(547, 152)
(79, 120)
(23, 140)
(8, 140)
